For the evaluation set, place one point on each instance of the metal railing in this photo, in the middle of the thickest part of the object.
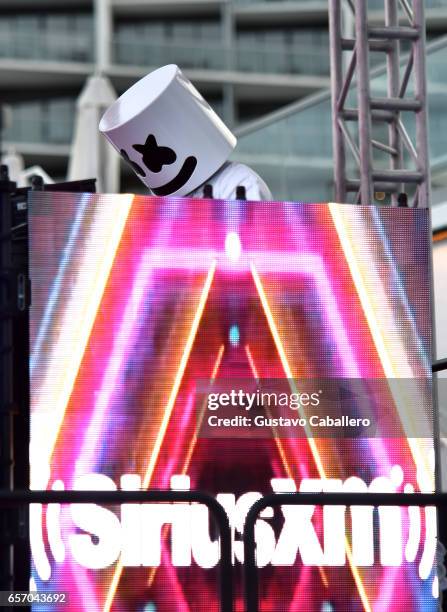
(251, 583)
(48, 45)
(14, 498)
(296, 58)
(57, 128)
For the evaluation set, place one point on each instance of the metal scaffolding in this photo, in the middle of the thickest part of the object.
(358, 127)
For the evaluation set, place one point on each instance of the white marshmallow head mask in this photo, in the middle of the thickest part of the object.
(168, 133)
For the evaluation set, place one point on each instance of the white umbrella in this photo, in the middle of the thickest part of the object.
(91, 155)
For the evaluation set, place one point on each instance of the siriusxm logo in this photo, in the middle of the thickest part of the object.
(95, 537)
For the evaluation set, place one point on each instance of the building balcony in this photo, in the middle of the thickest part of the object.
(48, 122)
(297, 60)
(54, 46)
(254, 67)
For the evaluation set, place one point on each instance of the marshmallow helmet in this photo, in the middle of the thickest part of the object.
(168, 133)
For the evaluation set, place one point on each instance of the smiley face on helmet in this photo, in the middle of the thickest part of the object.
(167, 133)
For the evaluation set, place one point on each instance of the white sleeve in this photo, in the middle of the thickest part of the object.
(258, 190)
(234, 175)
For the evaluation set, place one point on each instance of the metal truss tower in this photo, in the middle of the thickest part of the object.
(385, 132)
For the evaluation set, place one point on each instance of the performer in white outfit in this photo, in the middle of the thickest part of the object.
(175, 142)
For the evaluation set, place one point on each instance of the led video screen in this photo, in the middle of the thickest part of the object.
(134, 300)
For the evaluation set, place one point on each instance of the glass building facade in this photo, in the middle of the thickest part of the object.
(248, 58)
(292, 149)
(60, 37)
